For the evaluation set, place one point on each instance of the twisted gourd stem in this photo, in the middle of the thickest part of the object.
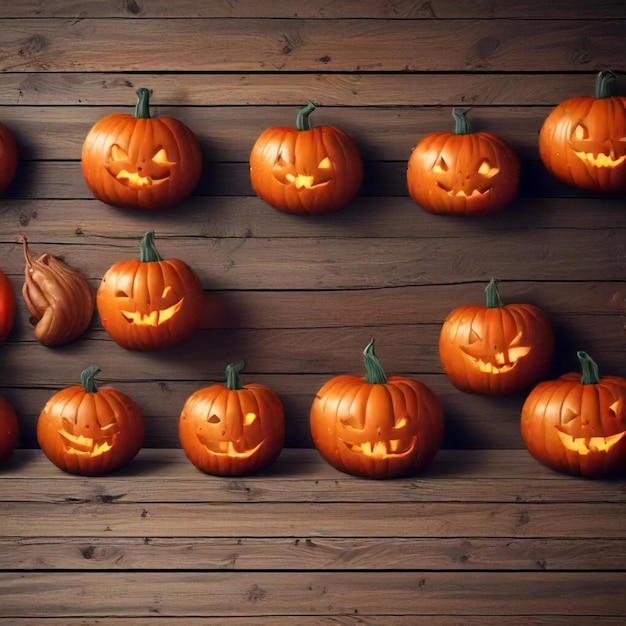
(87, 378)
(374, 372)
(462, 125)
(233, 378)
(303, 121)
(603, 82)
(591, 374)
(147, 250)
(142, 109)
(492, 295)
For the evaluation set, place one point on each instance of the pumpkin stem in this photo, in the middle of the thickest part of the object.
(142, 110)
(603, 82)
(147, 250)
(302, 119)
(462, 125)
(492, 295)
(374, 372)
(233, 378)
(87, 379)
(591, 374)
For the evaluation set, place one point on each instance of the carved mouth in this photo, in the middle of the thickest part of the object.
(133, 179)
(588, 445)
(461, 193)
(88, 446)
(394, 448)
(228, 448)
(154, 318)
(600, 159)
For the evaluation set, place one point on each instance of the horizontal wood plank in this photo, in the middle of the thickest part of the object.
(311, 593)
(244, 45)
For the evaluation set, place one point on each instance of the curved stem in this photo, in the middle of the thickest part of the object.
(462, 125)
(147, 250)
(492, 295)
(302, 119)
(591, 374)
(233, 378)
(603, 82)
(142, 109)
(87, 378)
(374, 372)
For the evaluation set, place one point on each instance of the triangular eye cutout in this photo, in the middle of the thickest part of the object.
(161, 158)
(486, 169)
(118, 154)
(325, 164)
(580, 132)
(440, 166)
(568, 414)
(617, 408)
(281, 161)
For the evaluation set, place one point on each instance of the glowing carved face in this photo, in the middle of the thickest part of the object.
(151, 316)
(608, 153)
(142, 172)
(89, 440)
(499, 361)
(222, 440)
(473, 185)
(305, 177)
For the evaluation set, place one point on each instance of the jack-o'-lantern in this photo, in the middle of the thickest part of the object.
(7, 306)
(463, 173)
(495, 348)
(305, 169)
(9, 430)
(232, 429)
(150, 302)
(58, 297)
(577, 425)
(582, 142)
(377, 426)
(88, 430)
(9, 158)
(141, 162)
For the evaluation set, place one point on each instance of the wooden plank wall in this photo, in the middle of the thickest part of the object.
(299, 298)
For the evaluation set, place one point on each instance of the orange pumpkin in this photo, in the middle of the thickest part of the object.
(141, 162)
(495, 348)
(90, 431)
(7, 306)
(582, 142)
(577, 425)
(463, 173)
(305, 169)
(150, 302)
(9, 430)
(59, 298)
(376, 427)
(9, 158)
(232, 429)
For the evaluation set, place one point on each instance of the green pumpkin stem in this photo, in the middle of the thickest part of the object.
(462, 125)
(233, 378)
(603, 83)
(303, 121)
(374, 372)
(147, 250)
(591, 374)
(492, 295)
(87, 379)
(142, 109)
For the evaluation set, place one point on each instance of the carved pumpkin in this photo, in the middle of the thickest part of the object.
(59, 298)
(463, 173)
(150, 302)
(578, 425)
(9, 430)
(305, 169)
(141, 162)
(7, 306)
(495, 348)
(376, 427)
(232, 429)
(9, 158)
(88, 430)
(582, 142)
